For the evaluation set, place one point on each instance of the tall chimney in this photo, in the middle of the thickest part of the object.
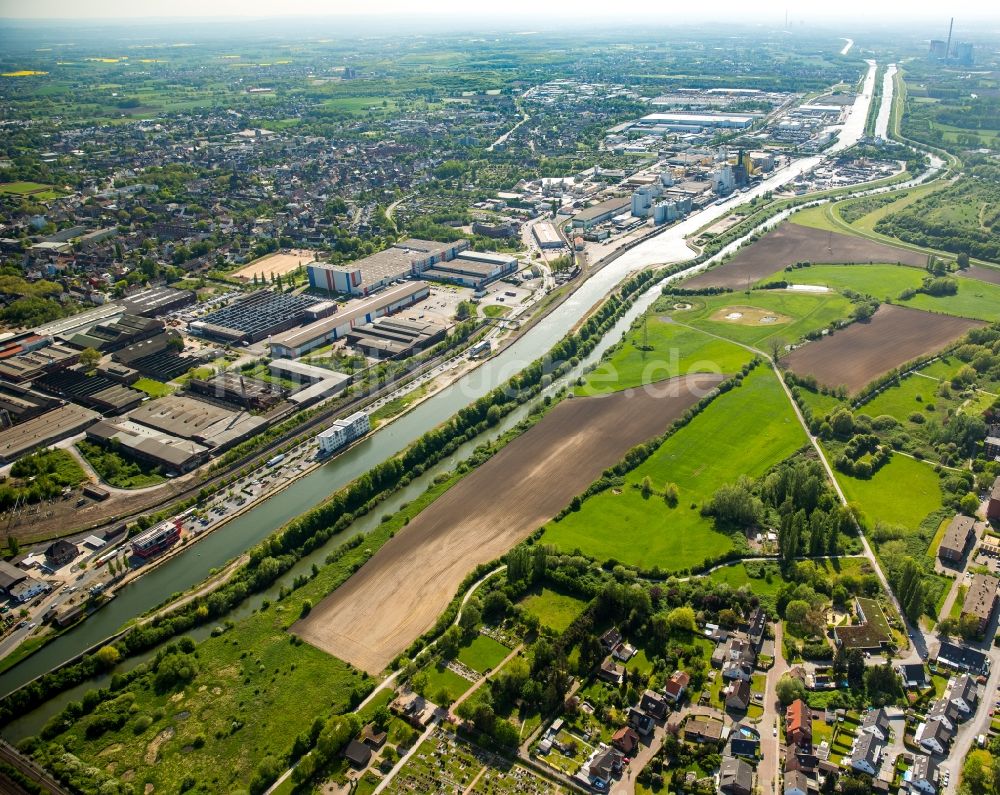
(947, 49)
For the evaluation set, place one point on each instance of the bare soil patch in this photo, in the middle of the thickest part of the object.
(277, 264)
(978, 272)
(789, 243)
(863, 351)
(399, 593)
(748, 316)
(153, 749)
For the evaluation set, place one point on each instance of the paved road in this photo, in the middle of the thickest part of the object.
(980, 722)
(769, 770)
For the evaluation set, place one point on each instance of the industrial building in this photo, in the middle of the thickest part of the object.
(98, 392)
(256, 317)
(156, 301)
(546, 236)
(300, 372)
(320, 382)
(66, 327)
(473, 269)
(114, 335)
(294, 343)
(44, 430)
(207, 424)
(35, 363)
(159, 358)
(388, 337)
(693, 122)
(160, 449)
(343, 432)
(19, 403)
(238, 390)
(365, 276)
(599, 213)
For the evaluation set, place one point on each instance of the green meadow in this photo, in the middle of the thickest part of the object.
(744, 431)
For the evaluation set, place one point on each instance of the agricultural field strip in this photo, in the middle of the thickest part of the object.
(403, 588)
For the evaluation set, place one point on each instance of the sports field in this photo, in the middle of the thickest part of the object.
(277, 264)
(744, 431)
(764, 314)
(399, 593)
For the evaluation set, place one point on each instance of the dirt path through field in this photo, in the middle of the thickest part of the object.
(399, 593)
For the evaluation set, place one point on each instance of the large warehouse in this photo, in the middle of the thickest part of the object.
(205, 423)
(255, 317)
(294, 343)
(387, 337)
(44, 430)
(365, 276)
(473, 269)
(694, 121)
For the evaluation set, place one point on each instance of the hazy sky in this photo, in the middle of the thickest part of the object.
(853, 11)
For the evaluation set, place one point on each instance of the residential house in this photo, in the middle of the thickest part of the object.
(372, 737)
(743, 744)
(993, 506)
(640, 721)
(933, 736)
(654, 705)
(914, 675)
(735, 777)
(866, 753)
(945, 711)
(676, 686)
(623, 652)
(956, 538)
(606, 762)
(611, 672)
(964, 693)
(625, 740)
(60, 552)
(876, 722)
(733, 669)
(702, 730)
(738, 695)
(756, 628)
(981, 600)
(962, 658)
(798, 724)
(358, 754)
(801, 761)
(796, 783)
(611, 639)
(923, 774)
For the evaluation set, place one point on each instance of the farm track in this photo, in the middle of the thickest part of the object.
(399, 593)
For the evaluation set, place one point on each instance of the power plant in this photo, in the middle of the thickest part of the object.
(941, 50)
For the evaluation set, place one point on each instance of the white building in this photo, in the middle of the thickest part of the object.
(344, 432)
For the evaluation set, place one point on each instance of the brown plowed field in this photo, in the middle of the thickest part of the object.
(863, 351)
(790, 243)
(399, 593)
(991, 275)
